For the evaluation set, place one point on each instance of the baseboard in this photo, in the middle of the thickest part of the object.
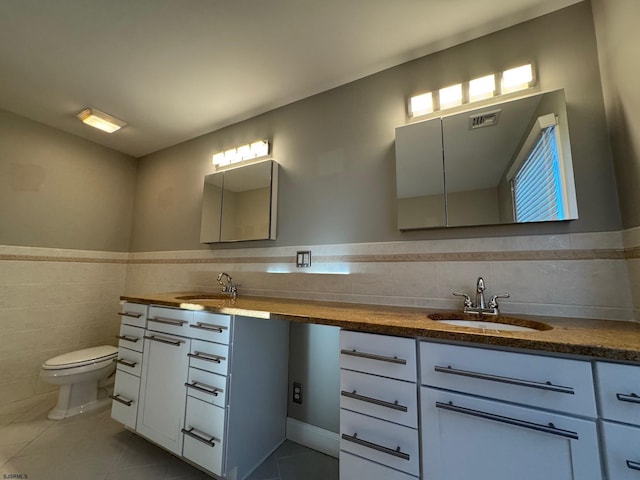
(313, 437)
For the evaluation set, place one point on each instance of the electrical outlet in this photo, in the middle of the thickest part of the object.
(296, 396)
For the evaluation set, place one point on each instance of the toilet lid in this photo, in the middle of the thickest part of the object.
(82, 357)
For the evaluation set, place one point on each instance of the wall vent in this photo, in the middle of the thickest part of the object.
(486, 119)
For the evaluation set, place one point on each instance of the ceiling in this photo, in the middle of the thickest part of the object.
(174, 70)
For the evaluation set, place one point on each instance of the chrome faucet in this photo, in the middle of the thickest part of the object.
(228, 286)
(481, 307)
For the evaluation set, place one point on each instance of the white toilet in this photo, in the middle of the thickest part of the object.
(78, 374)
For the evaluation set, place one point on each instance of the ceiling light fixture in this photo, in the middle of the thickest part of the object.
(100, 120)
(249, 151)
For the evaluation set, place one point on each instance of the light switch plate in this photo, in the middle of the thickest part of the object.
(303, 258)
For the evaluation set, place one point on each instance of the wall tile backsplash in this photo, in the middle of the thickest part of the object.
(53, 301)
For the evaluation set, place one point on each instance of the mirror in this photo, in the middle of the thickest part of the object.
(240, 204)
(505, 163)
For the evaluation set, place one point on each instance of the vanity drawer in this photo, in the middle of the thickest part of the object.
(206, 386)
(383, 442)
(356, 468)
(392, 400)
(129, 361)
(169, 320)
(618, 388)
(131, 337)
(387, 356)
(545, 382)
(134, 314)
(210, 327)
(203, 435)
(124, 407)
(209, 356)
(622, 451)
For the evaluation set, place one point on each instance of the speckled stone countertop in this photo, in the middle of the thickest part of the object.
(614, 340)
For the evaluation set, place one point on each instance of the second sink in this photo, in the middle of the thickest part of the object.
(499, 322)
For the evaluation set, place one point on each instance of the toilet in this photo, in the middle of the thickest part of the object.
(78, 374)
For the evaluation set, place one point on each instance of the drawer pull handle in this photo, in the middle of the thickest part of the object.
(633, 465)
(127, 338)
(190, 432)
(126, 363)
(631, 398)
(203, 387)
(123, 401)
(374, 401)
(373, 356)
(374, 446)
(209, 327)
(175, 343)
(130, 314)
(206, 356)
(551, 428)
(511, 381)
(168, 321)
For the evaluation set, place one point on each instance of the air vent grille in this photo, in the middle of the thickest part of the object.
(485, 119)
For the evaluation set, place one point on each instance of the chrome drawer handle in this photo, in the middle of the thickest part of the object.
(631, 398)
(374, 401)
(206, 356)
(209, 327)
(551, 428)
(130, 314)
(126, 363)
(175, 343)
(123, 401)
(373, 356)
(190, 432)
(168, 321)
(511, 381)
(203, 387)
(633, 465)
(374, 446)
(128, 338)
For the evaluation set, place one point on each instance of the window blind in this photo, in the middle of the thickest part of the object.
(537, 186)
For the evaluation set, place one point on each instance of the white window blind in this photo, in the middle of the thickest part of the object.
(537, 186)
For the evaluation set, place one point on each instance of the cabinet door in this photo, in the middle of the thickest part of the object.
(357, 468)
(124, 407)
(467, 437)
(622, 451)
(162, 390)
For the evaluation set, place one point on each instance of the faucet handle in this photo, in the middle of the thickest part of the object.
(493, 303)
(467, 298)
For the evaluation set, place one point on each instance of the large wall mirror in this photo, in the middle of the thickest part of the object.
(240, 204)
(505, 163)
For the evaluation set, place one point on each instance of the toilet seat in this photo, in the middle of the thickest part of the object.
(95, 356)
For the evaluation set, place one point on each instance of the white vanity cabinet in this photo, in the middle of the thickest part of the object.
(165, 366)
(378, 407)
(505, 415)
(129, 363)
(618, 388)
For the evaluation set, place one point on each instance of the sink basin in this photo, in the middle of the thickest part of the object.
(499, 322)
(202, 297)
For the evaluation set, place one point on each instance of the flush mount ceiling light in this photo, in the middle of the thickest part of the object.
(249, 151)
(100, 120)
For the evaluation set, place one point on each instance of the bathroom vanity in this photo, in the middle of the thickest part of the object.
(419, 398)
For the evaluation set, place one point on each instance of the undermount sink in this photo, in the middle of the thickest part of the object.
(203, 297)
(499, 322)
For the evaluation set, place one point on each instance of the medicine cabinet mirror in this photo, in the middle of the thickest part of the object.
(240, 204)
(505, 163)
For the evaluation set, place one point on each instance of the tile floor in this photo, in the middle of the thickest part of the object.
(94, 447)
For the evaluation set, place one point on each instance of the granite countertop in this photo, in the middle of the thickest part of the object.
(614, 340)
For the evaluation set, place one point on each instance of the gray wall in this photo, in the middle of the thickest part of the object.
(618, 40)
(60, 191)
(336, 149)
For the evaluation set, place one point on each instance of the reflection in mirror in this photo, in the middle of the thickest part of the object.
(506, 163)
(240, 204)
(419, 175)
(509, 163)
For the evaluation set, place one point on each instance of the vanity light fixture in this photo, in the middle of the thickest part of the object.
(100, 120)
(481, 88)
(450, 96)
(249, 151)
